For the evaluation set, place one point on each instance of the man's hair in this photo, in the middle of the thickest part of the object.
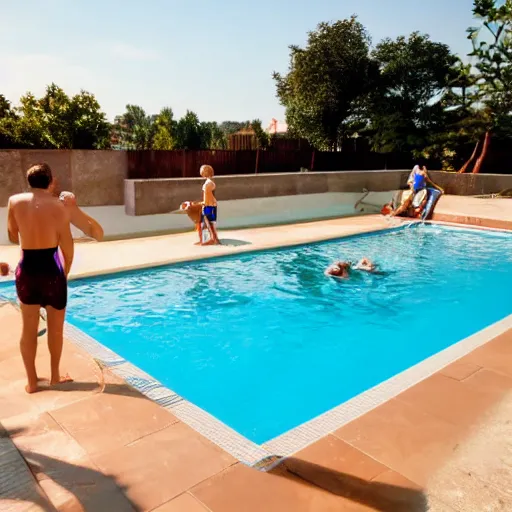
(39, 176)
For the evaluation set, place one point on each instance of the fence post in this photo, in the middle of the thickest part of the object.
(312, 160)
(257, 161)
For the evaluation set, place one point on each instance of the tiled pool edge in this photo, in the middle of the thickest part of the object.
(263, 457)
(298, 438)
(207, 425)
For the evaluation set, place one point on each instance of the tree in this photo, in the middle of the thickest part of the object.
(88, 126)
(261, 135)
(230, 127)
(212, 137)
(57, 121)
(493, 54)
(404, 109)
(139, 127)
(459, 120)
(165, 128)
(7, 118)
(189, 134)
(324, 80)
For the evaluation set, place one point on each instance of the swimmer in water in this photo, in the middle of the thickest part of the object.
(340, 269)
(366, 265)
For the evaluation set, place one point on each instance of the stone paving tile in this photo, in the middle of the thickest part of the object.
(19, 491)
(449, 399)
(494, 355)
(163, 465)
(460, 371)
(183, 503)
(112, 419)
(302, 487)
(44, 436)
(79, 486)
(403, 437)
(336, 455)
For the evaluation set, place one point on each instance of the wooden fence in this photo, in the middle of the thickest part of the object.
(186, 164)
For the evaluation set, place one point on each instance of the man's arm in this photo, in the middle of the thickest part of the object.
(80, 219)
(66, 243)
(12, 226)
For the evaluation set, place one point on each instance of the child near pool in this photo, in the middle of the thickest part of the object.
(209, 204)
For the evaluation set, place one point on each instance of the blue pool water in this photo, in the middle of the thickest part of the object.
(265, 341)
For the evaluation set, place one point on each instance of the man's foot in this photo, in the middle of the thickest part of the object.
(60, 380)
(198, 243)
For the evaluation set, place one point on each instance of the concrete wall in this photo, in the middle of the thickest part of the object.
(232, 214)
(471, 184)
(96, 177)
(149, 197)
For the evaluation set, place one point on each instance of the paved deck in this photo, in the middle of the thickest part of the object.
(489, 213)
(442, 445)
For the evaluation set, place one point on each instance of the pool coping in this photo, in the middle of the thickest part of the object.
(265, 456)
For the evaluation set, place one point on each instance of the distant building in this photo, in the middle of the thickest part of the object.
(277, 127)
(243, 139)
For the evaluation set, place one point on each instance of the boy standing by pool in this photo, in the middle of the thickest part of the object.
(209, 204)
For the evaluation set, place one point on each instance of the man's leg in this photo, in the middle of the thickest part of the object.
(55, 323)
(28, 344)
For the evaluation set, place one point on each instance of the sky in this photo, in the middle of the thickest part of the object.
(213, 57)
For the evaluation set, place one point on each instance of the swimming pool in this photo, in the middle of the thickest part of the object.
(265, 342)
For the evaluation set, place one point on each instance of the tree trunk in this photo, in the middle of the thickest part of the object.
(464, 168)
(483, 154)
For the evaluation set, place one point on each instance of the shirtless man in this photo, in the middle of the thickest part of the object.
(40, 223)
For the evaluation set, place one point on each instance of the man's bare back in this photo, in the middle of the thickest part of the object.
(40, 223)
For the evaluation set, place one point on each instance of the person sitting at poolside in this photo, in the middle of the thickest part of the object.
(419, 180)
(209, 204)
(340, 269)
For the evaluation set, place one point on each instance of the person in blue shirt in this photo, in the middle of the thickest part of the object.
(419, 180)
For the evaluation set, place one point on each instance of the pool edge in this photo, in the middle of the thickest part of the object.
(265, 456)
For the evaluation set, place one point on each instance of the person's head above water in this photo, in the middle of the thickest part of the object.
(365, 264)
(40, 176)
(339, 269)
(206, 171)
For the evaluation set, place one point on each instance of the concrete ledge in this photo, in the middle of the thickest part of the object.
(473, 221)
(149, 197)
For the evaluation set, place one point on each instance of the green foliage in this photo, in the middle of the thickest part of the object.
(492, 50)
(165, 128)
(324, 81)
(262, 136)
(231, 127)
(55, 121)
(405, 107)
